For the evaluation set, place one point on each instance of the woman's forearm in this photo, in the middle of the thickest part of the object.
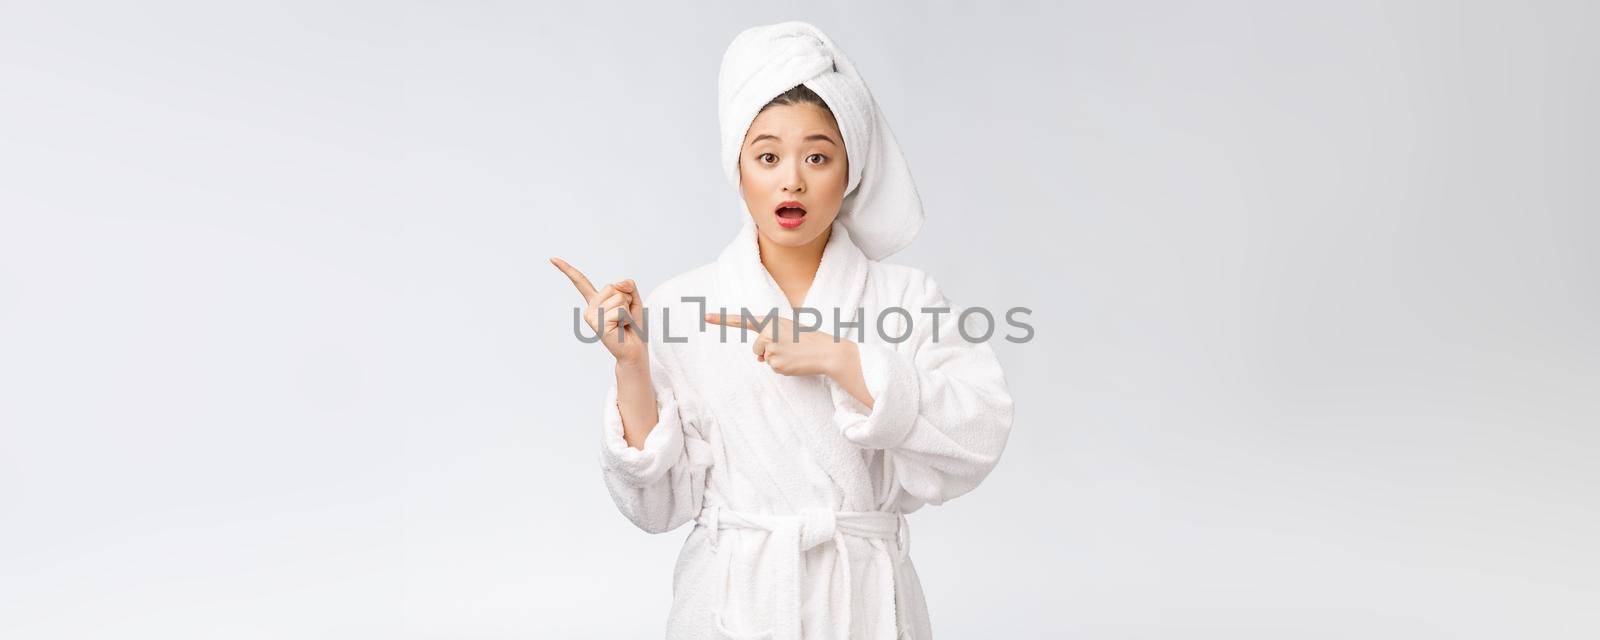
(636, 401)
(846, 371)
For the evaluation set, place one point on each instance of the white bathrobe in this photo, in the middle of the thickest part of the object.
(797, 490)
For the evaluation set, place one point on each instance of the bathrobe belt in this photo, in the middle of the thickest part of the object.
(809, 528)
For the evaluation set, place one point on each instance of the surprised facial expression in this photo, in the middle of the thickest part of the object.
(793, 173)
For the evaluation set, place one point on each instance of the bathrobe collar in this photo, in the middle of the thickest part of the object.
(840, 280)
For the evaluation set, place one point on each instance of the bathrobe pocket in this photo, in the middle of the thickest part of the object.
(733, 591)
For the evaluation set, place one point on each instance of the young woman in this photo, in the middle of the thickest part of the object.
(797, 452)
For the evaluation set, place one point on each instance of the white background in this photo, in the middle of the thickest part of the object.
(1315, 289)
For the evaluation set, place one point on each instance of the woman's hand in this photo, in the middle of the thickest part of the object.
(812, 353)
(603, 311)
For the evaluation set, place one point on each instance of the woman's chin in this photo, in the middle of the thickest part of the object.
(797, 237)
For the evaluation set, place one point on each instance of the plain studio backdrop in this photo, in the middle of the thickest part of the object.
(1315, 292)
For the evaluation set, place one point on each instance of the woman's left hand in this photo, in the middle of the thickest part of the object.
(810, 353)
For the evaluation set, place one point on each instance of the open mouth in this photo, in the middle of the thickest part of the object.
(791, 214)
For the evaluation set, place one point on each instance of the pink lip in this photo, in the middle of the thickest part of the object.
(790, 223)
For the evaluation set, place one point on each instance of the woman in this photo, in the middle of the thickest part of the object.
(796, 452)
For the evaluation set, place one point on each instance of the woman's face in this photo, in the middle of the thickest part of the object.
(793, 154)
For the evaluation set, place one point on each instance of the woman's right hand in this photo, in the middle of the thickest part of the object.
(603, 310)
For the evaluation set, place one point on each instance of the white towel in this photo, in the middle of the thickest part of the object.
(881, 207)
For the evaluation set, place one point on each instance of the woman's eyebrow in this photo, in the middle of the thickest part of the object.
(815, 136)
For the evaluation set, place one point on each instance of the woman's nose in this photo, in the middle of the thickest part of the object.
(793, 181)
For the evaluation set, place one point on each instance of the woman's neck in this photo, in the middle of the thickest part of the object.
(793, 268)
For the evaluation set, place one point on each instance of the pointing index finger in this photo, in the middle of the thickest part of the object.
(732, 321)
(578, 279)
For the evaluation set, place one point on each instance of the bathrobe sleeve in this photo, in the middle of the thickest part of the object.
(941, 410)
(659, 487)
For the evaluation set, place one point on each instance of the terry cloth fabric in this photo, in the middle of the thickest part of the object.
(881, 207)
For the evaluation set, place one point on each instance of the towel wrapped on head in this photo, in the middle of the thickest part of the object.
(881, 208)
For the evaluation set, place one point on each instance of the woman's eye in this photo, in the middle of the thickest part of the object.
(821, 158)
(763, 156)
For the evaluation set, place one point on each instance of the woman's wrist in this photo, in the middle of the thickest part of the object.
(845, 356)
(847, 373)
(640, 364)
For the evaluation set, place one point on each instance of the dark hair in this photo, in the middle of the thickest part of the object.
(800, 94)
